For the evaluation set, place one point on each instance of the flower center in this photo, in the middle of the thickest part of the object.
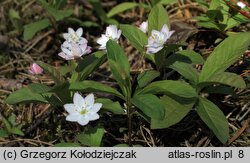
(83, 112)
(74, 37)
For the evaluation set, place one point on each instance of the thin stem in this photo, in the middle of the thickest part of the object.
(129, 114)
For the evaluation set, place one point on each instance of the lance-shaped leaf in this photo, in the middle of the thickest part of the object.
(25, 95)
(175, 111)
(178, 88)
(93, 86)
(119, 65)
(135, 36)
(157, 18)
(90, 64)
(111, 106)
(150, 105)
(52, 71)
(146, 77)
(214, 119)
(224, 55)
(121, 7)
(225, 78)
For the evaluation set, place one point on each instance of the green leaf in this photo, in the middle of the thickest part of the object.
(16, 131)
(39, 88)
(119, 65)
(121, 145)
(194, 57)
(175, 111)
(15, 19)
(25, 95)
(52, 71)
(157, 18)
(150, 105)
(31, 29)
(93, 86)
(214, 119)
(220, 89)
(186, 70)
(146, 77)
(97, 6)
(111, 106)
(154, 2)
(57, 14)
(121, 8)
(167, 2)
(3, 133)
(225, 78)
(12, 119)
(91, 137)
(135, 36)
(224, 55)
(67, 145)
(178, 88)
(6, 123)
(90, 64)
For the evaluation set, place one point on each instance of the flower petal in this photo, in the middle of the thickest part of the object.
(79, 101)
(73, 117)
(89, 101)
(94, 116)
(71, 31)
(79, 32)
(70, 108)
(96, 107)
(164, 29)
(83, 121)
(65, 36)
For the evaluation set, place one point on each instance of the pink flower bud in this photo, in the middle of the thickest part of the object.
(35, 69)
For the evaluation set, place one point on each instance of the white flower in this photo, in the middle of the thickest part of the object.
(144, 27)
(157, 39)
(111, 33)
(72, 51)
(241, 4)
(82, 110)
(75, 36)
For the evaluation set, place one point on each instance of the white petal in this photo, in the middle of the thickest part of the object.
(66, 51)
(94, 116)
(65, 36)
(155, 33)
(64, 56)
(78, 100)
(70, 108)
(82, 41)
(71, 31)
(76, 50)
(83, 121)
(90, 100)
(119, 34)
(96, 107)
(170, 33)
(165, 29)
(79, 32)
(73, 117)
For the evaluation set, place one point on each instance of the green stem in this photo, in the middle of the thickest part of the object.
(129, 114)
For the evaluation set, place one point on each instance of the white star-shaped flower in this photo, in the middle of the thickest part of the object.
(111, 33)
(75, 36)
(144, 27)
(82, 110)
(157, 39)
(72, 51)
